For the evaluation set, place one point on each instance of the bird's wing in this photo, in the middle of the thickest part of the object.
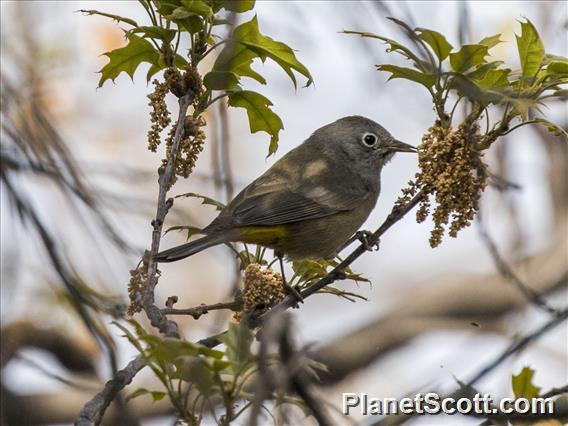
(275, 202)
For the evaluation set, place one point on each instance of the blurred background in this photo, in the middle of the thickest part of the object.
(79, 189)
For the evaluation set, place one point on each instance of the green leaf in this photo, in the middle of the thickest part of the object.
(260, 116)
(467, 88)
(198, 7)
(468, 57)
(191, 230)
(238, 6)
(156, 395)
(221, 80)
(436, 41)
(158, 33)
(553, 128)
(427, 80)
(523, 386)
(248, 35)
(116, 18)
(412, 35)
(557, 67)
(204, 200)
(237, 59)
(197, 370)
(481, 70)
(308, 270)
(495, 79)
(395, 46)
(238, 341)
(491, 41)
(128, 58)
(179, 62)
(531, 50)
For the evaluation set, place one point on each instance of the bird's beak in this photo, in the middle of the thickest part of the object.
(398, 146)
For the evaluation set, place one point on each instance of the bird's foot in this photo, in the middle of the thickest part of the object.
(364, 236)
(295, 294)
(291, 290)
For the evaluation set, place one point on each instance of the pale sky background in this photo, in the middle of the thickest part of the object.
(106, 128)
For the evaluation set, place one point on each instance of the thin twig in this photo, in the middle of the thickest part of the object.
(555, 392)
(519, 345)
(507, 272)
(94, 410)
(197, 311)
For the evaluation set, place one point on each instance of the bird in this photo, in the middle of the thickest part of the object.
(312, 201)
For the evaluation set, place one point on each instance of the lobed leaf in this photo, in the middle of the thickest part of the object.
(494, 79)
(238, 6)
(260, 116)
(221, 80)
(164, 34)
(469, 89)
(128, 58)
(531, 49)
(436, 41)
(522, 384)
(482, 69)
(491, 41)
(191, 230)
(413, 36)
(247, 44)
(427, 80)
(116, 18)
(394, 46)
(469, 56)
(204, 200)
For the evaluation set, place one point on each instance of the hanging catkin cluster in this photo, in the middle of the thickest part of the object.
(262, 289)
(192, 139)
(159, 115)
(453, 172)
(136, 286)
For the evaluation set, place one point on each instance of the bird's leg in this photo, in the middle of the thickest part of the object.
(291, 290)
(363, 236)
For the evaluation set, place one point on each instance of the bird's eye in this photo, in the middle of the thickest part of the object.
(369, 139)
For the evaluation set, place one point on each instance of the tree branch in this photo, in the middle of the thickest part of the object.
(520, 344)
(197, 311)
(155, 315)
(507, 272)
(94, 410)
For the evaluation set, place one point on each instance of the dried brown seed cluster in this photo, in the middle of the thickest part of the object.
(137, 285)
(451, 169)
(262, 289)
(159, 116)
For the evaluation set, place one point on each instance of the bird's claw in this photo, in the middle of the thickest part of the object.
(295, 294)
(364, 236)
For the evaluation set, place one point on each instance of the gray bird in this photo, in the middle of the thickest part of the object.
(312, 200)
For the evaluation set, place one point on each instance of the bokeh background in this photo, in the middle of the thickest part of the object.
(432, 315)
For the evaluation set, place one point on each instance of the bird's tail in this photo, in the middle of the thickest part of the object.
(188, 249)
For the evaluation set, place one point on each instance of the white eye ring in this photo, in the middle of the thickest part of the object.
(369, 139)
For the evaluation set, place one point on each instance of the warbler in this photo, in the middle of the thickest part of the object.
(312, 200)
